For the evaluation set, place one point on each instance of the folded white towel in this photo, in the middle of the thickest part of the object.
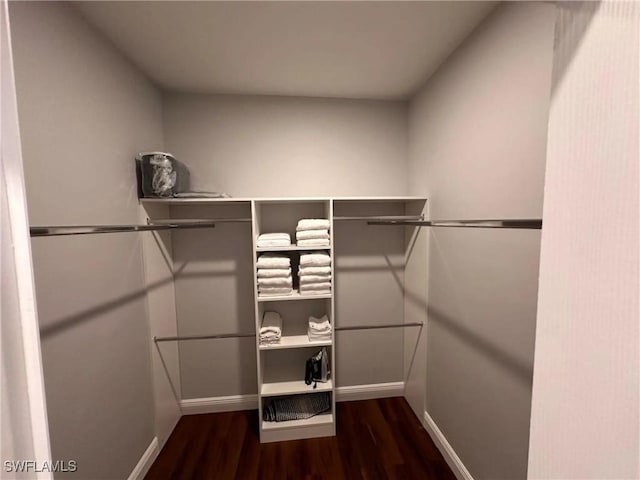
(314, 278)
(275, 282)
(314, 242)
(313, 224)
(271, 322)
(272, 340)
(272, 260)
(319, 337)
(274, 291)
(309, 234)
(313, 293)
(314, 271)
(315, 260)
(319, 325)
(274, 272)
(279, 242)
(312, 287)
(274, 236)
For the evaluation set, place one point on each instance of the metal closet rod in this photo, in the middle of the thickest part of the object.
(169, 221)
(241, 335)
(57, 230)
(523, 223)
(383, 218)
(152, 225)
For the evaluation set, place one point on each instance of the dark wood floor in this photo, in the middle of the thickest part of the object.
(377, 439)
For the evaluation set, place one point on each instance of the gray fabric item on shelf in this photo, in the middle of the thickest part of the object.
(298, 407)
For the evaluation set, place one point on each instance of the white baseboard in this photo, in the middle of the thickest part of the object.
(367, 392)
(232, 403)
(447, 451)
(145, 462)
(194, 406)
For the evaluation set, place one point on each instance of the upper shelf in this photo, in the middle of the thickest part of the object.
(218, 201)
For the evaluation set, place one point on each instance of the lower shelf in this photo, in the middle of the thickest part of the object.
(321, 419)
(291, 388)
(321, 425)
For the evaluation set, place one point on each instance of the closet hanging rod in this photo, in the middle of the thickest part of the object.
(174, 221)
(202, 337)
(241, 335)
(383, 218)
(386, 325)
(57, 230)
(526, 223)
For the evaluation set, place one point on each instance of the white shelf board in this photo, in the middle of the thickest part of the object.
(292, 248)
(294, 341)
(294, 296)
(320, 419)
(293, 388)
(231, 200)
(194, 201)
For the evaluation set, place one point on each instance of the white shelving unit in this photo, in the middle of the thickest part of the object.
(281, 366)
(231, 250)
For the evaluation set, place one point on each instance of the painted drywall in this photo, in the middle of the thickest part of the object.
(84, 113)
(288, 146)
(584, 419)
(477, 141)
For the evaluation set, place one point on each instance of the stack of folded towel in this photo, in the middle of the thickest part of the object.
(315, 273)
(313, 232)
(319, 329)
(271, 329)
(274, 275)
(274, 240)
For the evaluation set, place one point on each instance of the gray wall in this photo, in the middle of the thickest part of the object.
(289, 146)
(285, 146)
(84, 113)
(477, 149)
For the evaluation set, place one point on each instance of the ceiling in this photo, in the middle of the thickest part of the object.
(305, 48)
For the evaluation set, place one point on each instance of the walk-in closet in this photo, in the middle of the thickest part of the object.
(320, 240)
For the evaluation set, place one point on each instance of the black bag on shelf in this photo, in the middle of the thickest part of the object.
(160, 175)
(317, 368)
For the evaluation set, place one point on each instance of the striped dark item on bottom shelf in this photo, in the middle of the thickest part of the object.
(297, 407)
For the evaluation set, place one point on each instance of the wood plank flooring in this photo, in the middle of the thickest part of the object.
(376, 439)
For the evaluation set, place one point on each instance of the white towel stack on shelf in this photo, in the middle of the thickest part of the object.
(274, 275)
(313, 232)
(271, 328)
(274, 240)
(319, 329)
(315, 273)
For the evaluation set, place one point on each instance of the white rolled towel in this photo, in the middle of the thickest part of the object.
(314, 271)
(275, 282)
(315, 287)
(314, 279)
(274, 291)
(313, 224)
(314, 242)
(309, 234)
(315, 260)
(274, 272)
(272, 260)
